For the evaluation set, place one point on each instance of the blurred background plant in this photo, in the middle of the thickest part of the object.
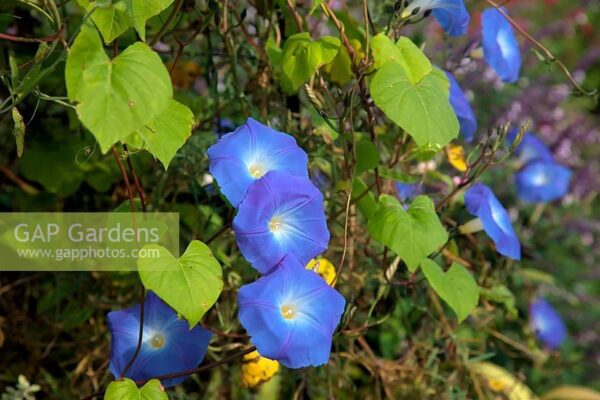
(396, 339)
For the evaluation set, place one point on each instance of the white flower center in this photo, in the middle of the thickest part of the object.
(157, 341)
(541, 179)
(288, 311)
(275, 225)
(256, 170)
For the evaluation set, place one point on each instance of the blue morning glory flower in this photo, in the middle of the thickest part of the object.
(224, 126)
(531, 148)
(241, 157)
(543, 181)
(452, 15)
(462, 109)
(482, 203)
(281, 214)
(408, 191)
(500, 46)
(319, 179)
(168, 344)
(291, 314)
(547, 323)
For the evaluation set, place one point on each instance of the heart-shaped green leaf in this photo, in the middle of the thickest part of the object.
(302, 57)
(413, 234)
(126, 389)
(423, 109)
(112, 21)
(404, 52)
(168, 132)
(141, 10)
(456, 287)
(115, 97)
(119, 15)
(191, 285)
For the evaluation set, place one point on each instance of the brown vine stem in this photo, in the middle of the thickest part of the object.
(186, 372)
(138, 346)
(136, 181)
(143, 291)
(206, 367)
(297, 17)
(549, 55)
(371, 120)
(168, 21)
(340, 27)
(50, 38)
(125, 179)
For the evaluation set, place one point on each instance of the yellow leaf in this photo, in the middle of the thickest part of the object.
(323, 267)
(184, 74)
(571, 393)
(499, 380)
(257, 369)
(340, 69)
(456, 157)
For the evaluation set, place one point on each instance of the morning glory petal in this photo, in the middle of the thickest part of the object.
(452, 15)
(531, 148)
(406, 192)
(547, 323)
(281, 214)
(500, 46)
(482, 203)
(241, 157)
(291, 314)
(462, 109)
(543, 182)
(168, 345)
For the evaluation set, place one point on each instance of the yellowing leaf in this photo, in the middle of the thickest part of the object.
(18, 131)
(340, 69)
(323, 267)
(571, 393)
(499, 380)
(456, 157)
(257, 369)
(184, 74)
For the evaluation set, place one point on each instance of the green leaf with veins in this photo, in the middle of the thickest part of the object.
(112, 21)
(142, 10)
(413, 234)
(190, 284)
(167, 133)
(404, 52)
(302, 57)
(126, 389)
(115, 18)
(423, 110)
(456, 287)
(115, 96)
